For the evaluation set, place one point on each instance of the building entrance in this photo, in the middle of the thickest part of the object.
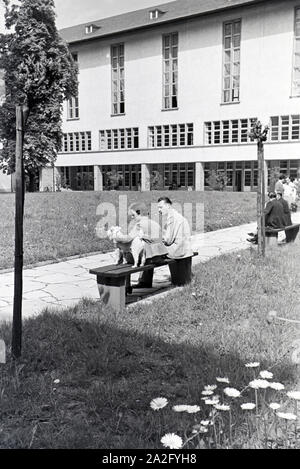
(238, 180)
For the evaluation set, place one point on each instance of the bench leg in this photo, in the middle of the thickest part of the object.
(112, 292)
(291, 234)
(181, 271)
(271, 240)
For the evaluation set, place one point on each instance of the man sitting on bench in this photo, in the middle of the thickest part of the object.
(177, 233)
(274, 216)
(286, 208)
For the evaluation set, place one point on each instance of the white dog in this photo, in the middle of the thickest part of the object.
(136, 247)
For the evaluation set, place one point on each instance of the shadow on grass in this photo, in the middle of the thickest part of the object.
(109, 368)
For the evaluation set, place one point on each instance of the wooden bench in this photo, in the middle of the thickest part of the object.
(111, 279)
(291, 232)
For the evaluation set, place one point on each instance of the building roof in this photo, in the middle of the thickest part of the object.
(169, 12)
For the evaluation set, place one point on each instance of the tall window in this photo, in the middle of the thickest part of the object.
(118, 79)
(73, 108)
(73, 102)
(296, 65)
(170, 71)
(231, 61)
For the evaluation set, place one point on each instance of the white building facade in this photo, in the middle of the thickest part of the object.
(175, 89)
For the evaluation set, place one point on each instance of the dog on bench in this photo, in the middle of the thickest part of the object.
(136, 247)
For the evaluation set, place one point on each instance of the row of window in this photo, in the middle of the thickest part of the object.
(232, 33)
(119, 139)
(228, 131)
(173, 135)
(174, 174)
(239, 174)
(245, 173)
(234, 131)
(77, 141)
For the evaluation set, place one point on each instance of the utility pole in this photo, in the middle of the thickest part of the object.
(261, 136)
(21, 118)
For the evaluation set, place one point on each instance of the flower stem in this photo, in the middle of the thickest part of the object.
(286, 435)
(256, 411)
(296, 413)
(230, 425)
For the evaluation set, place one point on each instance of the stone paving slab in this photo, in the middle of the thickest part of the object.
(63, 284)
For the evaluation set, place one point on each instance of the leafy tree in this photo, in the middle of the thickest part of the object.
(40, 73)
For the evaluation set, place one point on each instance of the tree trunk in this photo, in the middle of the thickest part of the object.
(31, 187)
(261, 199)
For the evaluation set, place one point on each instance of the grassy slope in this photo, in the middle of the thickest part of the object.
(63, 224)
(111, 366)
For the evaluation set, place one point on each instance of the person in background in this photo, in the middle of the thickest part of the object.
(279, 184)
(275, 217)
(274, 213)
(289, 191)
(286, 209)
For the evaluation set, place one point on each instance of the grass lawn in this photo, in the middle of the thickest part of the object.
(110, 366)
(62, 224)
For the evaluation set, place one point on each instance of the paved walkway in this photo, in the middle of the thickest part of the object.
(63, 284)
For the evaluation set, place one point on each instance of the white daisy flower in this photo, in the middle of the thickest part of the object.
(211, 387)
(259, 384)
(180, 408)
(222, 380)
(203, 429)
(222, 407)
(172, 441)
(158, 403)
(266, 374)
(193, 409)
(232, 392)
(56, 381)
(286, 416)
(294, 395)
(276, 386)
(248, 406)
(205, 422)
(274, 406)
(252, 365)
(212, 401)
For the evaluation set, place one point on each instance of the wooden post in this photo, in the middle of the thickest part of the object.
(21, 117)
(261, 136)
(261, 199)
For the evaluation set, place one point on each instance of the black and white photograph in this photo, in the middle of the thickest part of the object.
(149, 229)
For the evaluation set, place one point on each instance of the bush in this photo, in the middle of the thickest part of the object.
(156, 181)
(112, 180)
(217, 180)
